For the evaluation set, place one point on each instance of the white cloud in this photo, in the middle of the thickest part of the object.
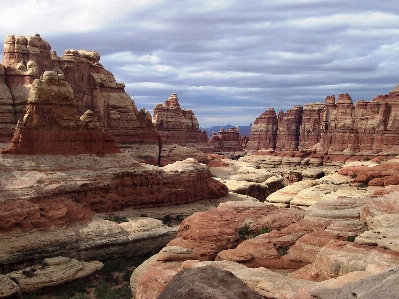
(225, 57)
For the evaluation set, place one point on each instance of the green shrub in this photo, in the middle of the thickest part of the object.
(243, 232)
(264, 230)
(111, 266)
(167, 219)
(126, 276)
(283, 250)
(351, 238)
(179, 218)
(103, 291)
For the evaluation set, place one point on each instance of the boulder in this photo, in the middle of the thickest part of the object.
(207, 282)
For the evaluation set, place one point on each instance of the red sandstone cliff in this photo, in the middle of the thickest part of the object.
(335, 128)
(52, 126)
(26, 58)
(227, 140)
(264, 131)
(177, 125)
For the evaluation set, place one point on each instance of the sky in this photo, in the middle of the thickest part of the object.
(227, 60)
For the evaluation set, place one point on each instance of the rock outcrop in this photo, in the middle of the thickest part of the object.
(51, 125)
(333, 131)
(177, 125)
(26, 58)
(343, 243)
(264, 131)
(53, 272)
(207, 282)
(288, 129)
(58, 190)
(227, 140)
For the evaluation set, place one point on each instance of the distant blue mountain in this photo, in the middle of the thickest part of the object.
(244, 130)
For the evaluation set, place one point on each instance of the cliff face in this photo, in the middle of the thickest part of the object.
(333, 128)
(264, 131)
(51, 124)
(288, 129)
(228, 140)
(177, 125)
(26, 58)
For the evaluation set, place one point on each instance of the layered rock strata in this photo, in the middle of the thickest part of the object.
(53, 272)
(177, 125)
(228, 140)
(51, 125)
(335, 130)
(264, 131)
(343, 244)
(54, 200)
(26, 58)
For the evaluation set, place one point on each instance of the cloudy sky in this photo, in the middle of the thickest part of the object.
(227, 60)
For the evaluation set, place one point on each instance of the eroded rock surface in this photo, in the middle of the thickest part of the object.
(332, 132)
(207, 282)
(177, 125)
(26, 58)
(53, 272)
(51, 125)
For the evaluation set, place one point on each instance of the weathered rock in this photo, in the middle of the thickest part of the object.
(373, 174)
(338, 258)
(51, 125)
(210, 232)
(357, 284)
(227, 140)
(8, 288)
(177, 125)
(53, 272)
(264, 131)
(27, 58)
(284, 196)
(207, 282)
(289, 129)
(333, 131)
(71, 188)
(309, 132)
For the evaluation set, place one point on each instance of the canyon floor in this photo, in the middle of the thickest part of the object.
(287, 231)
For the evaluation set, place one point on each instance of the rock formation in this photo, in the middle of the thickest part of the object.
(177, 125)
(288, 129)
(51, 125)
(227, 140)
(207, 282)
(71, 188)
(344, 242)
(264, 131)
(53, 272)
(26, 58)
(333, 131)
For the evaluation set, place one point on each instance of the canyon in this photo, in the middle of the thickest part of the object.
(306, 207)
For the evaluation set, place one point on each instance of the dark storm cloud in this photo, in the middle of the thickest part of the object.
(228, 60)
